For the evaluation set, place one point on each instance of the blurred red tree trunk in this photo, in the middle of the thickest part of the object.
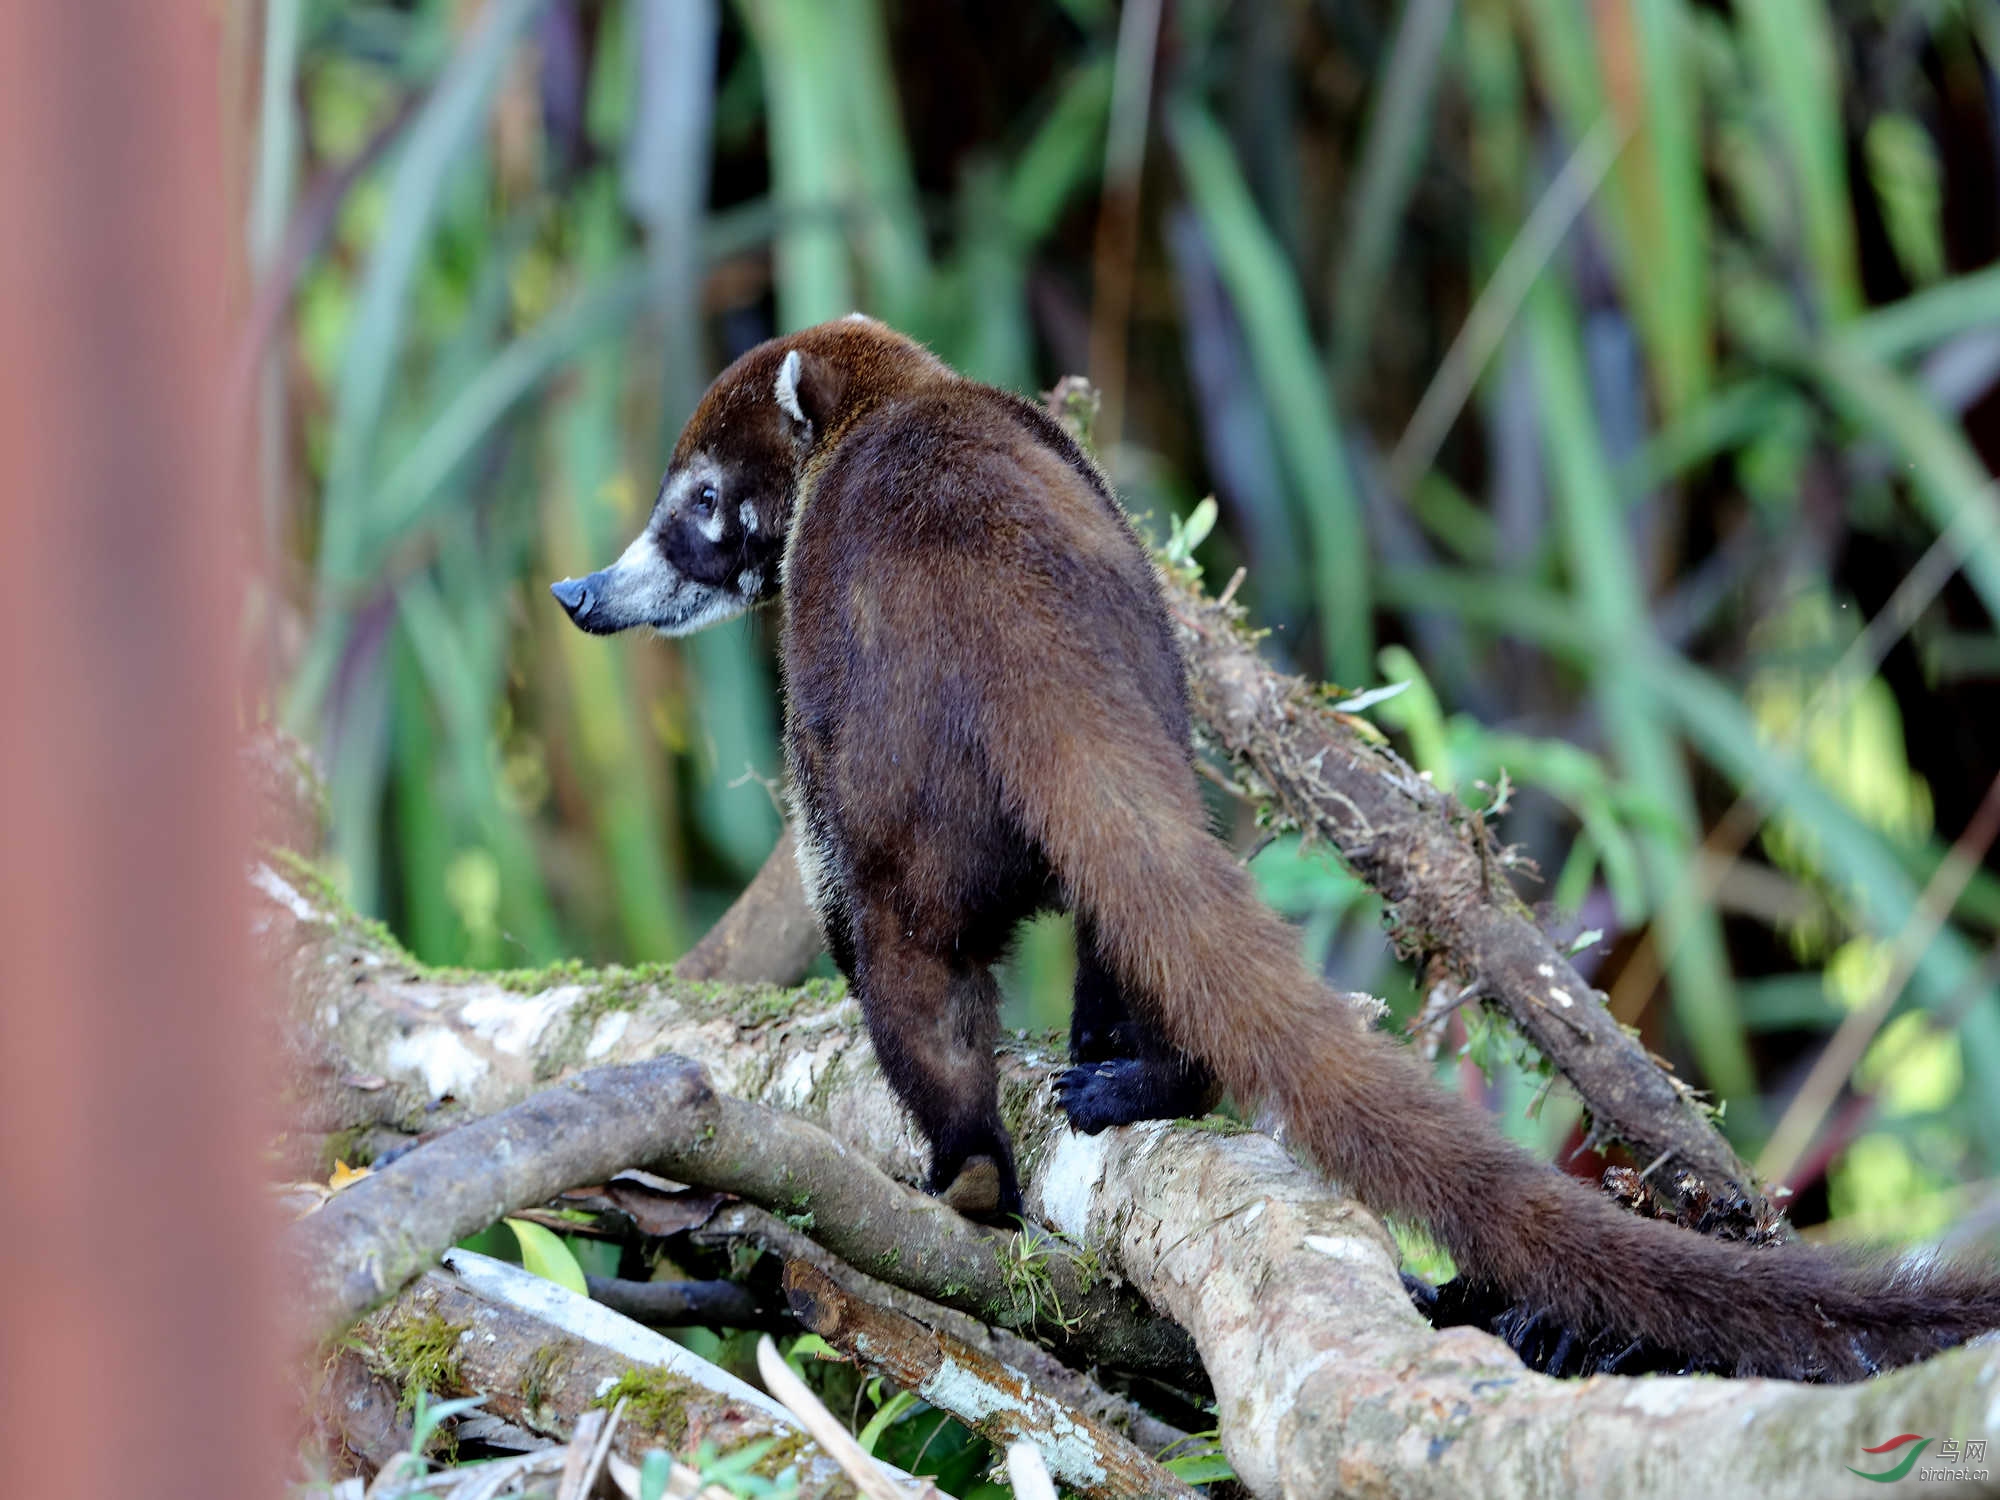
(135, 1351)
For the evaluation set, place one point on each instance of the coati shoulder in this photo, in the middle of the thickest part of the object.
(986, 716)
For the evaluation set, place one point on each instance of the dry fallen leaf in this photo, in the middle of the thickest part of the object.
(346, 1176)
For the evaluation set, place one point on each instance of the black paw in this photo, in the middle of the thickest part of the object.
(1124, 1090)
(1539, 1339)
(1099, 1095)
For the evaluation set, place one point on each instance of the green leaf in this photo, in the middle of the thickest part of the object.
(1903, 169)
(1187, 535)
(414, 485)
(1950, 481)
(1667, 229)
(1064, 153)
(1605, 576)
(442, 139)
(1947, 978)
(1797, 56)
(811, 157)
(1925, 319)
(655, 1470)
(1393, 151)
(1417, 714)
(809, 1346)
(427, 1416)
(892, 1412)
(888, 231)
(1201, 1468)
(544, 1253)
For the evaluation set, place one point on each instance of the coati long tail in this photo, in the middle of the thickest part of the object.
(1181, 923)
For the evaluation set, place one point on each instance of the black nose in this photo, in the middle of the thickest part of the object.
(573, 594)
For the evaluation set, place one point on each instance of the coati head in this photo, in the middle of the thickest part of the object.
(713, 544)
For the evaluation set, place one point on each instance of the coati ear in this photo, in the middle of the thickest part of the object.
(806, 390)
(788, 387)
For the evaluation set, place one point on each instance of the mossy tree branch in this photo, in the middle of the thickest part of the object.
(452, 1339)
(1326, 1378)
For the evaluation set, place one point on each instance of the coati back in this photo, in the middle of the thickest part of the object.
(986, 716)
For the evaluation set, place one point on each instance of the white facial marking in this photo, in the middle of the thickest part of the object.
(643, 588)
(859, 317)
(698, 471)
(749, 581)
(748, 516)
(787, 390)
(717, 606)
(640, 553)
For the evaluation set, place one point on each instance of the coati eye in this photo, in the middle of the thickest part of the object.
(704, 501)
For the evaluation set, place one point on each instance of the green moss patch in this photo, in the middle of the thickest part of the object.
(419, 1352)
(654, 1398)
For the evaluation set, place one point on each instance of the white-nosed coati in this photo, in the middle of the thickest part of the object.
(985, 717)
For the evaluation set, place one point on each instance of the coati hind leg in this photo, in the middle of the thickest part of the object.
(1101, 1024)
(935, 1020)
(1126, 1070)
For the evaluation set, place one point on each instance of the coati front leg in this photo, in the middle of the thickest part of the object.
(935, 1021)
(1126, 1070)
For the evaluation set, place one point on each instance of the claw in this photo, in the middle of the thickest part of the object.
(1565, 1345)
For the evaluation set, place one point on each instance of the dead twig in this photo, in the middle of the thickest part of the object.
(681, 1304)
(1410, 841)
(370, 1239)
(825, 1427)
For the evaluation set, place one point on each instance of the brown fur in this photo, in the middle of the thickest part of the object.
(986, 716)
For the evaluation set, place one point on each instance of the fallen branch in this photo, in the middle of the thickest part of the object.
(368, 1240)
(543, 1358)
(899, 1235)
(1327, 1380)
(744, 1223)
(1000, 1404)
(683, 1304)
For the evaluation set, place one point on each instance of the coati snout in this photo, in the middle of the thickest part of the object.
(985, 716)
(704, 557)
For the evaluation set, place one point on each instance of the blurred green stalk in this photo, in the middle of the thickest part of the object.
(1613, 599)
(1266, 293)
